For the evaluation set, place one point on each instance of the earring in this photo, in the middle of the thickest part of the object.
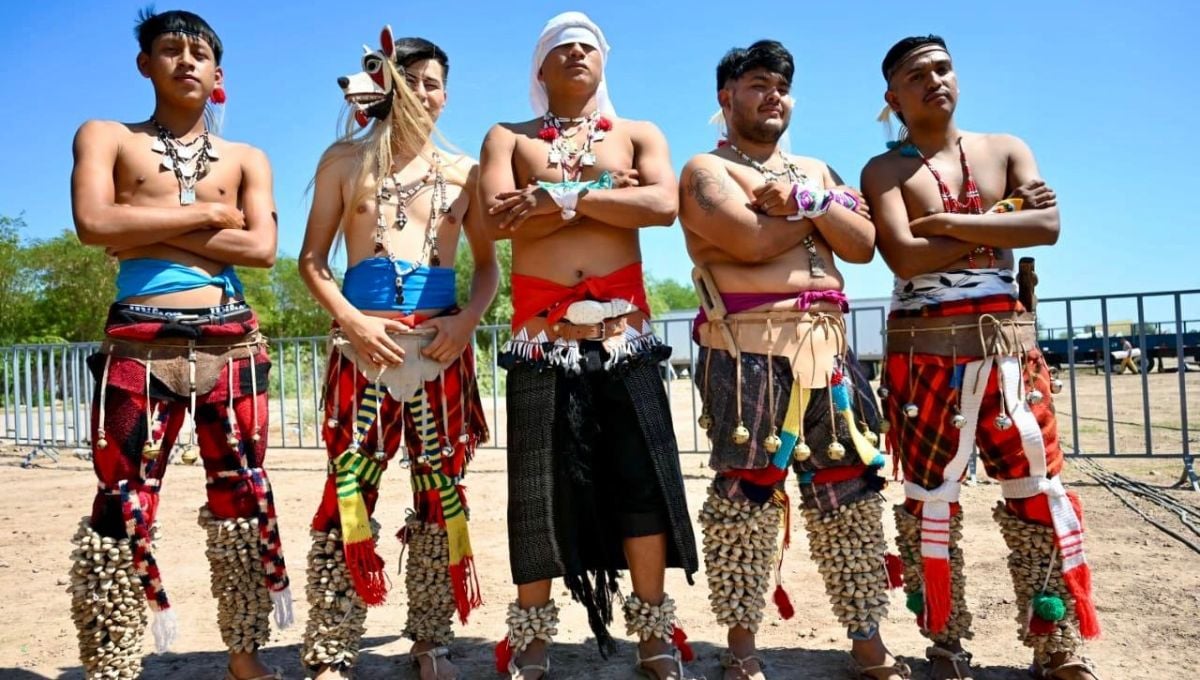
(217, 96)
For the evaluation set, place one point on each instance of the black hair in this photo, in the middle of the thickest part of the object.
(411, 50)
(768, 54)
(902, 48)
(151, 25)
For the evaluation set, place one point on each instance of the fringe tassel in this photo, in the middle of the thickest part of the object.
(783, 603)
(895, 570)
(165, 629)
(281, 600)
(679, 639)
(503, 653)
(937, 593)
(465, 582)
(1079, 583)
(366, 570)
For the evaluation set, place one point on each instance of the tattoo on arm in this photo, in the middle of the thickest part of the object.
(708, 190)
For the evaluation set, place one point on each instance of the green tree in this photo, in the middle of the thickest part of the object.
(668, 295)
(15, 297)
(285, 307)
(73, 286)
(501, 310)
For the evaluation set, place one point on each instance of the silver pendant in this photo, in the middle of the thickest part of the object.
(167, 163)
(554, 157)
(816, 266)
(187, 196)
(598, 136)
(589, 159)
(157, 145)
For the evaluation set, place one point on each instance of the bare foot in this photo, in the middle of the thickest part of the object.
(740, 661)
(873, 654)
(1068, 667)
(535, 654)
(432, 666)
(247, 666)
(663, 669)
(331, 673)
(949, 662)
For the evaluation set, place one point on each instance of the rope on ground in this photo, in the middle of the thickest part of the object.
(1113, 481)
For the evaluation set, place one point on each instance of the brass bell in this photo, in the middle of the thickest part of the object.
(101, 443)
(332, 423)
(836, 451)
(883, 392)
(872, 438)
(1056, 386)
(772, 443)
(1035, 397)
(959, 421)
(803, 452)
(911, 410)
(705, 420)
(885, 426)
(741, 435)
(150, 450)
(1003, 422)
(189, 455)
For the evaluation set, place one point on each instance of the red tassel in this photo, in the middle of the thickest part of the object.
(1079, 583)
(937, 593)
(783, 603)
(218, 95)
(895, 570)
(466, 598)
(1042, 627)
(680, 639)
(366, 570)
(503, 654)
(360, 117)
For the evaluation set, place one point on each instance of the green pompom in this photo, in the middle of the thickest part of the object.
(1049, 607)
(916, 602)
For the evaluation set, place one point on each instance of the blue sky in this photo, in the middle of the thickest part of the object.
(1104, 92)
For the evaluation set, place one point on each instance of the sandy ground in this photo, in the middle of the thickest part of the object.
(1147, 585)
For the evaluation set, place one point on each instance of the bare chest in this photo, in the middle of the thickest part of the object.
(142, 176)
(535, 159)
(420, 225)
(942, 186)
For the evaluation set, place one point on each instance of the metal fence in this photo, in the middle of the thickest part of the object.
(46, 390)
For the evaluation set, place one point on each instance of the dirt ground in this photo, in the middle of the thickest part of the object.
(1147, 585)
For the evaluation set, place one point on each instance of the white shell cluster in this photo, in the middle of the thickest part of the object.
(238, 581)
(1031, 556)
(527, 625)
(908, 540)
(427, 581)
(739, 553)
(848, 547)
(648, 621)
(337, 616)
(107, 605)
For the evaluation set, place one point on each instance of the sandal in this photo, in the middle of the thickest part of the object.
(432, 654)
(729, 661)
(1041, 672)
(963, 671)
(515, 671)
(639, 666)
(274, 675)
(862, 672)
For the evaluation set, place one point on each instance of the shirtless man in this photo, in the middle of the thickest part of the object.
(179, 207)
(401, 236)
(593, 470)
(763, 228)
(949, 237)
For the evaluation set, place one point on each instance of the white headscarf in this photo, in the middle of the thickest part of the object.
(566, 28)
